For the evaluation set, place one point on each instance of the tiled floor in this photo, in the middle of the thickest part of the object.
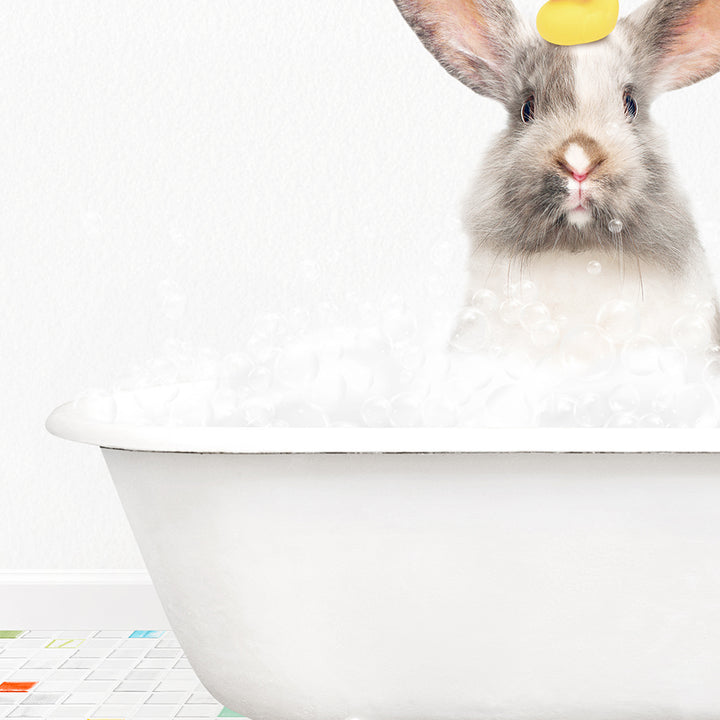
(100, 675)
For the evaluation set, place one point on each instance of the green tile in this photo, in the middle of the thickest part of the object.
(11, 633)
(226, 712)
(65, 643)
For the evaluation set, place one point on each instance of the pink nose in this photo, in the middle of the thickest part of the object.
(579, 176)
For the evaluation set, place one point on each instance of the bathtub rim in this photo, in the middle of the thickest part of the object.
(67, 423)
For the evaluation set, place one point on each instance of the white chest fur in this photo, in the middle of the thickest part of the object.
(535, 303)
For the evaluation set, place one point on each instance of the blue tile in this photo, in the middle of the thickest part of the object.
(147, 634)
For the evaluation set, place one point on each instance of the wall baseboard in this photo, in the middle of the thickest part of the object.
(79, 600)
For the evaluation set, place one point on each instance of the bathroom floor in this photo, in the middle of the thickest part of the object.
(100, 675)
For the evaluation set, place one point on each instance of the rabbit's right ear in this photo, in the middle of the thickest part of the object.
(474, 40)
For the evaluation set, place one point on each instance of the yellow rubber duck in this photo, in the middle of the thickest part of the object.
(574, 22)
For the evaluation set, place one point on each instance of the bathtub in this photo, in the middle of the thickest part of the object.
(424, 574)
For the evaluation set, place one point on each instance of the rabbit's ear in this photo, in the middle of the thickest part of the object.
(682, 39)
(474, 40)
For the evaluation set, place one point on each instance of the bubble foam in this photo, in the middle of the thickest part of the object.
(511, 357)
(389, 373)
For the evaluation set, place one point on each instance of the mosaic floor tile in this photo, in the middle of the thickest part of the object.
(64, 643)
(146, 634)
(100, 675)
(16, 686)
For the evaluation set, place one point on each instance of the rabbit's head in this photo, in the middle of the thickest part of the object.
(580, 149)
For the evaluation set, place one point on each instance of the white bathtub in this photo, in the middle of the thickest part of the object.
(432, 574)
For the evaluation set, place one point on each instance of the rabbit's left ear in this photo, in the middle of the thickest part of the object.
(681, 38)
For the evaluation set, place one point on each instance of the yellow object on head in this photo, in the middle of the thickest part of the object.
(574, 22)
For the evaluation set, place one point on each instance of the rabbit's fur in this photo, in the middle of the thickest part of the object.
(528, 215)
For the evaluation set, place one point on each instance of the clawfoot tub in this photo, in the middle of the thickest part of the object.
(323, 574)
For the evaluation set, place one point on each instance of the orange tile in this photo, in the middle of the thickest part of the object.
(16, 686)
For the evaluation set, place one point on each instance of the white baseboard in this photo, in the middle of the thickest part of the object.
(79, 600)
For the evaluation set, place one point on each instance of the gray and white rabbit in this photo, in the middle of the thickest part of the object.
(576, 214)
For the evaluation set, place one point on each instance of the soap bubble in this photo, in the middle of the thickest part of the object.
(195, 413)
(621, 420)
(329, 388)
(162, 371)
(399, 325)
(235, 369)
(224, 403)
(262, 349)
(133, 379)
(615, 226)
(510, 311)
(155, 400)
(651, 420)
(376, 412)
(545, 335)
(691, 332)
(557, 410)
(594, 267)
(516, 363)
(207, 363)
(617, 319)
(587, 352)
(624, 399)
(439, 412)
(471, 332)
(297, 365)
(370, 346)
(458, 389)
(695, 406)
(534, 314)
(258, 411)
(591, 410)
(663, 403)
(711, 371)
(507, 406)
(672, 360)
(260, 379)
(358, 376)
(411, 358)
(641, 355)
(96, 404)
(301, 414)
(486, 301)
(405, 410)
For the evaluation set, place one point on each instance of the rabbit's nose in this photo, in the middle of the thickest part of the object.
(577, 161)
(580, 158)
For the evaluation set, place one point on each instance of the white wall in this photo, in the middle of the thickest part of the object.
(219, 144)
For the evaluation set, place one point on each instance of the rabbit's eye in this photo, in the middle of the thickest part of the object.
(631, 108)
(528, 110)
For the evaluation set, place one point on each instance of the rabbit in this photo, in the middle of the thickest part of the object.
(575, 217)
